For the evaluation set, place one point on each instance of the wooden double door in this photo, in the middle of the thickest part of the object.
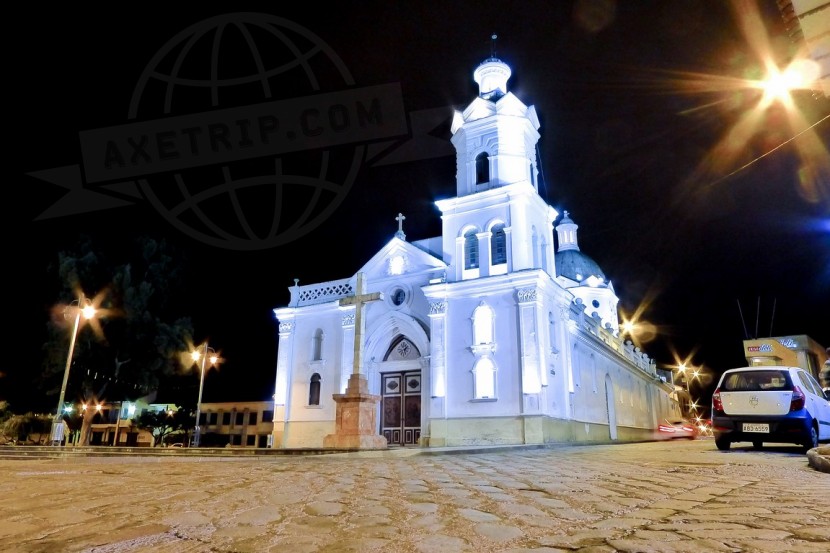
(401, 407)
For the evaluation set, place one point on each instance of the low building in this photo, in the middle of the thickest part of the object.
(112, 423)
(795, 351)
(236, 424)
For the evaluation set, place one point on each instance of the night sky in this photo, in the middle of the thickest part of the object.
(633, 98)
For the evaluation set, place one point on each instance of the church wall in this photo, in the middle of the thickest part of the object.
(477, 431)
(557, 356)
(526, 430)
(306, 434)
(638, 400)
(460, 399)
(329, 320)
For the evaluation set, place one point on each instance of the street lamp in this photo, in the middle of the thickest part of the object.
(201, 357)
(81, 306)
(695, 375)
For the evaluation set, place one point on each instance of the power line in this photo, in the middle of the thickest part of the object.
(765, 154)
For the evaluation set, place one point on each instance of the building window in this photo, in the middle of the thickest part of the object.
(251, 418)
(470, 250)
(317, 345)
(398, 296)
(212, 418)
(268, 416)
(226, 419)
(483, 325)
(251, 440)
(482, 168)
(498, 245)
(484, 379)
(314, 390)
(240, 419)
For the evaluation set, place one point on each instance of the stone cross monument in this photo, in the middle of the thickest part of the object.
(356, 419)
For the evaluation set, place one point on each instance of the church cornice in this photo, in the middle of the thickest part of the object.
(517, 191)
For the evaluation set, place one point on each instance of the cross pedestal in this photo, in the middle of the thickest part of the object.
(356, 424)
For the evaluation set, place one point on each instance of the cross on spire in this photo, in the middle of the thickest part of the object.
(400, 218)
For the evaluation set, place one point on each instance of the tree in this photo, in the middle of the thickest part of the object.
(136, 343)
(160, 423)
(5, 415)
(28, 427)
(185, 419)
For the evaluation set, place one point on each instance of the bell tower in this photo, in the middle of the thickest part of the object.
(497, 223)
(495, 137)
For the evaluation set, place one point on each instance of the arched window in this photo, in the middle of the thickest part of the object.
(470, 250)
(317, 345)
(483, 325)
(498, 244)
(314, 390)
(482, 168)
(484, 379)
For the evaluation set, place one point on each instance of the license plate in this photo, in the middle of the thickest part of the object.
(755, 427)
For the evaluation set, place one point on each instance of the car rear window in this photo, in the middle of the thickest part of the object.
(753, 381)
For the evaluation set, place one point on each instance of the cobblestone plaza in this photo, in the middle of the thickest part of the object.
(678, 497)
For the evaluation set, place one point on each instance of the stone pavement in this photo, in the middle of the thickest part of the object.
(651, 497)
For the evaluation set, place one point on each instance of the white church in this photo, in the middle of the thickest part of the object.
(492, 333)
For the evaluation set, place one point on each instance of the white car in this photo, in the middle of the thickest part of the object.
(770, 404)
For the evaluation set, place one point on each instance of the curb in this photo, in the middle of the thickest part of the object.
(819, 458)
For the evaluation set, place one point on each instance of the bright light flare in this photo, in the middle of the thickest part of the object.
(635, 326)
(766, 115)
(801, 74)
(213, 357)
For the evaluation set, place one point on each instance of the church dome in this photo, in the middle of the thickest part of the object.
(577, 266)
(570, 262)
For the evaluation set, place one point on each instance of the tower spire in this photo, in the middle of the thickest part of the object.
(493, 45)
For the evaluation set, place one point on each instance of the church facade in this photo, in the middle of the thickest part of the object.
(492, 333)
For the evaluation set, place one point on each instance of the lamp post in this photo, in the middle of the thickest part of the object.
(201, 357)
(85, 308)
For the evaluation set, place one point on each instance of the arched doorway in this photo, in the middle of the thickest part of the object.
(397, 347)
(401, 389)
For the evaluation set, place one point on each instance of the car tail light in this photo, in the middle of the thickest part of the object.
(664, 428)
(716, 402)
(798, 400)
(688, 428)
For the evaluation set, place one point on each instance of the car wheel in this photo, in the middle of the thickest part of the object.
(813, 439)
(758, 445)
(723, 443)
